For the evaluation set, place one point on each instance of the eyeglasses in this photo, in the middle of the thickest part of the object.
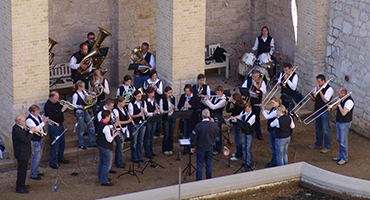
(92, 38)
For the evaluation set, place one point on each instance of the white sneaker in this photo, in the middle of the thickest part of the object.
(233, 155)
(233, 158)
(170, 152)
(342, 162)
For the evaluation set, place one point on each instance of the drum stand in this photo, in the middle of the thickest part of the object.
(189, 167)
(132, 172)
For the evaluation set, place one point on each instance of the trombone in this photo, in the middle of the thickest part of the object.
(37, 132)
(327, 106)
(269, 96)
(307, 98)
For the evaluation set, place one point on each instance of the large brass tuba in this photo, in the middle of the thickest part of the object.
(97, 61)
(87, 60)
(139, 57)
(51, 44)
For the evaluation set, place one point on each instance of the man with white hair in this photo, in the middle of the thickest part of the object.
(204, 138)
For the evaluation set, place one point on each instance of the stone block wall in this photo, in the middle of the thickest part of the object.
(348, 54)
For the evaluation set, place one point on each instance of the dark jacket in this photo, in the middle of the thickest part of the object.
(204, 134)
(21, 143)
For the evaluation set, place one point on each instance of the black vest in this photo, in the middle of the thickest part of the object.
(101, 140)
(36, 137)
(269, 128)
(217, 111)
(288, 90)
(149, 106)
(319, 102)
(80, 101)
(122, 88)
(165, 105)
(78, 55)
(245, 118)
(252, 87)
(137, 111)
(284, 130)
(263, 47)
(122, 116)
(348, 117)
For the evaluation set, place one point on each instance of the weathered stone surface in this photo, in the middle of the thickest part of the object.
(347, 28)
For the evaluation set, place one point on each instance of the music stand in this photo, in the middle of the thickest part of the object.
(222, 120)
(57, 147)
(244, 91)
(184, 114)
(133, 66)
(189, 166)
(132, 172)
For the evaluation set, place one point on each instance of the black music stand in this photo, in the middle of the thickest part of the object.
(244, 91)
(189, 166)
(133, 66)
(222, 120)
(132, 172)
(184, 114)
(55, 189)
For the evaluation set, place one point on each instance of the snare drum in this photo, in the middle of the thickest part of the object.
(264, 58)
(249, 59)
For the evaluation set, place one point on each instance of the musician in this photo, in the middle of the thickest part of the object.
(322, 123)
(74, 63)
(99, 85)
(34, 120)
(201, 89)
(104, 141)
(271, 116)
(149, 61)
(189, 101)
(257, 87)
(83, 116)
(216, 105)
(137, 112)
(90, 40)
(55, 111)
(126, 87)
(22, 151)
(289, 89)
(167, 107)
(265, 44)
(283, 123)
(344, 120)
(247, 136)
(238, 106)
(151, 107)
(154, 82)
(204, 138)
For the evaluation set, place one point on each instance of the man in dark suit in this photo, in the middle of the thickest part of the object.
(204, 138)
(22, 151)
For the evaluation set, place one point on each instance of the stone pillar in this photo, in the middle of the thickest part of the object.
(25, 60)
(180, 26)
(311, 41)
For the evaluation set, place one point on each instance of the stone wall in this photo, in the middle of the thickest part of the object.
(348, 54)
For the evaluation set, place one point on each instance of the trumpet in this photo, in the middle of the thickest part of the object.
(50, 122)
(37, 132)
(70, 105)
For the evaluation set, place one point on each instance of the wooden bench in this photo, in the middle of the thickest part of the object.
(212, 64)
(60, 70)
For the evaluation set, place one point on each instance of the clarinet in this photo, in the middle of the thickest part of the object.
(129, 116)
(113, 121)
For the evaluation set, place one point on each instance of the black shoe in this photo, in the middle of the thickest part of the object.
(63, 161)
(121, 166)
(153, 154)
(22, 191)
(54, 166)
(112, 171)
(141, 160)
(83, 147)
(27, 187)
(40, 174)
(136, 161)
(107, 184)
(109, 179)
(36, 178)
(94, 145)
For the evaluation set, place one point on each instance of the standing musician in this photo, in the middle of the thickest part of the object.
(189, 101)
(90, 40)
(149, 60)
(22, 151)
(99, 85)
(151, 107)
(257, 87)
(34, 120)
(126, 87)
(74, 63)
(83, 115)
(237, 100)
(104, 141)
(138, 113)
(288, 90)
(344, 120)
(154, 82)
(322, 123)
(55, 111)
(216, 105)
(271, 116)
(167, 107)
(203, 137)
(265, 44)
(283, 123)
(201, 89)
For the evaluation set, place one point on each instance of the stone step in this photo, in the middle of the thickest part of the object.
(7, 163)
(5, 154)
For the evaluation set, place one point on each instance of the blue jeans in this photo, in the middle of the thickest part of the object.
(186, 134)
(272, 137)
(323, 130)
(204, 154)
(247, 141)
(118, 152)
(139, 80)
(342, 138)
(105, 160)
(281, 146)
(148, 138)
(218, 139)
(37, 148)
(85, 117)
(168, 129)
(57, 149)
(238, 143)
(137, 143)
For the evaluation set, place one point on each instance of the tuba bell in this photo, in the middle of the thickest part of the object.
(97, 61)
(51, 44)
(139, 57)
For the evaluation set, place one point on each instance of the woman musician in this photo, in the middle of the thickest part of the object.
(98, 84)
(126, 87)
(155, 82)
(289, 89)
(151, 106)
(167, 107)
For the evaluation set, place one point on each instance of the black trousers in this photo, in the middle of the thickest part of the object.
(21, 174)
(256, 110)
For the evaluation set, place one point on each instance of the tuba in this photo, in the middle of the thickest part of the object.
(97, 61)
(87, 60)
(51, 44)
(139, 57)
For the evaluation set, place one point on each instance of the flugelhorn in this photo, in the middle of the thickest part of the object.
(37, 132)
(70, 105)
(50, 122)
